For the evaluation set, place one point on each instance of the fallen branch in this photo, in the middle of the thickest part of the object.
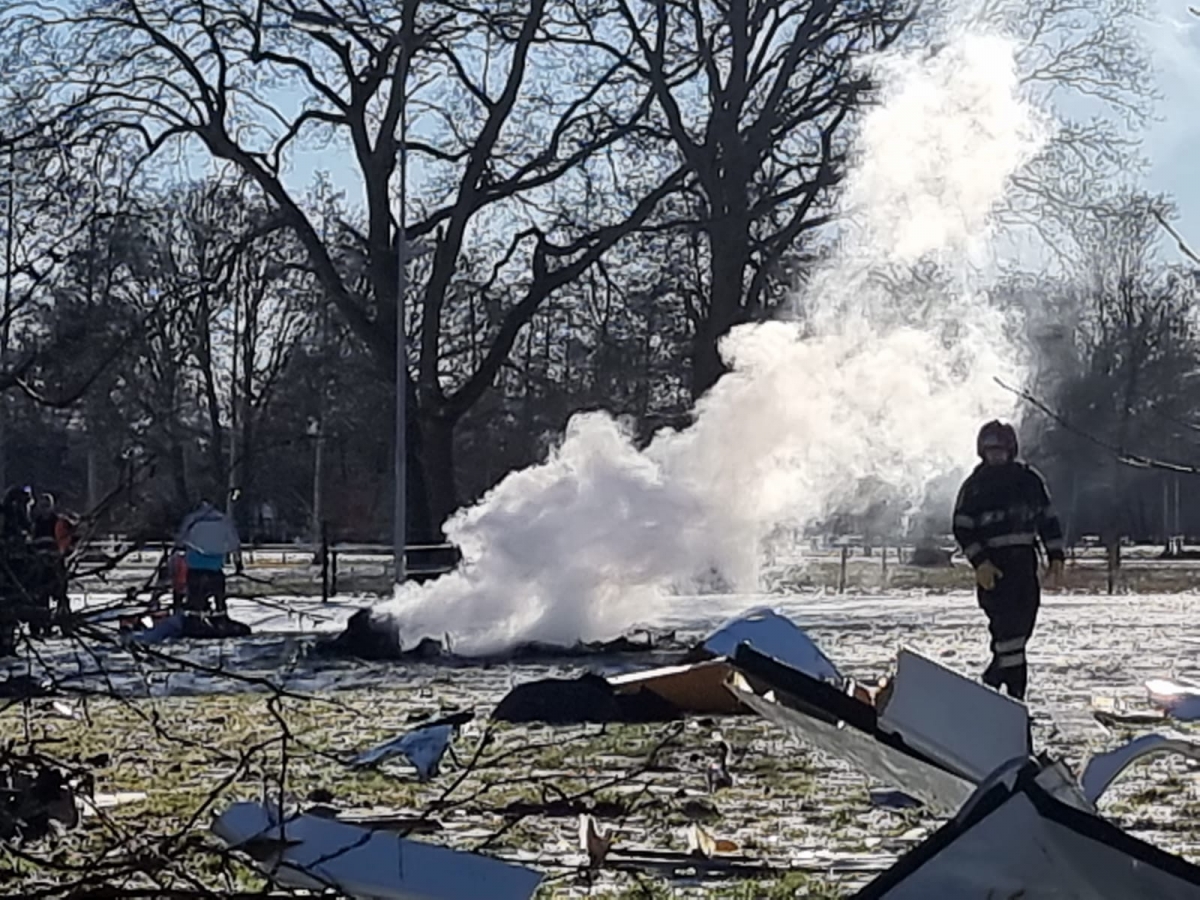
(1179, 241)
(1130, 459)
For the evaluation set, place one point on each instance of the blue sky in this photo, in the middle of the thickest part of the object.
(1172, 144)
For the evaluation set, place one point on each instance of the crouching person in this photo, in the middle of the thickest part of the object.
(208, 537)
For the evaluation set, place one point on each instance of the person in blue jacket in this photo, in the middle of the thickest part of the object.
(208, 537)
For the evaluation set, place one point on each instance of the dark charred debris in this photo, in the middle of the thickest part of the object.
(376, 638)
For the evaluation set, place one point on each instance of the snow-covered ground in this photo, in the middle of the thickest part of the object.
(1084, 644)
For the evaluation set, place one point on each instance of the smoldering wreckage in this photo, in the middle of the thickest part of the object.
(943, 740)
(1019, 823)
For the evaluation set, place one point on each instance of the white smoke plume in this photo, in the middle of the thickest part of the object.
(888, 377)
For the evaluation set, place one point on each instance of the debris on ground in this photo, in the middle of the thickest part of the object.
(96, 804)
(26, 687)
(897, 749)
(716, 774)
(594, 842)
(375, 638)
(1103, 769)
(423, 747)
(651, 642)
(892, 799)
(158, 628)
(587, 698)
(773, 635)
(696, 686)
(315, 853)
(37, 797)
(1022, 835)
(1179, 701)
(702, 843)
(1114, 713)
(1027, 828)
(692, 687)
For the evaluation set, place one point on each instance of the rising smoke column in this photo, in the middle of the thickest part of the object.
(876, 382)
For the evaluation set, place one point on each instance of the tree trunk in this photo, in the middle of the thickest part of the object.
(93, 477)
(725, 306)
(707, 366)
(437, 450)
(183, 500)
(1116, 500)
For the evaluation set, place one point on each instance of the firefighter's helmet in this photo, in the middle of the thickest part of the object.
(997, 434)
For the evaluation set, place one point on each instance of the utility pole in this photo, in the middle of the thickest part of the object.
(231, 477)
(400, 510)
(5, 326)
(320, 23)
(317, 428)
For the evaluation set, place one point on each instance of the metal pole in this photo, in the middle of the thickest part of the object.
(318, 522)
(1166, 517)
(1178, 526)
(318, 428)
(400, 511)
(234, 419)
(324, 551)
(9, 257)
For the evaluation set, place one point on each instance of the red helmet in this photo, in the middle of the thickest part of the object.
(997, 434)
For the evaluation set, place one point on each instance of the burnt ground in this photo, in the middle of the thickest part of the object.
(788, 808)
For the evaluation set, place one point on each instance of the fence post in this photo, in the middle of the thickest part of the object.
(324, 563)
(842, 571)
(334, 566)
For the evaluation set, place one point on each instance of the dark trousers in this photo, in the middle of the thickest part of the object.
(1011, 608)
(47, 585)
(52, 580)
(203, 585)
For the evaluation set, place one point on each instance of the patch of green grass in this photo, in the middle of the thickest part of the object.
(179, 751)
(791, 885)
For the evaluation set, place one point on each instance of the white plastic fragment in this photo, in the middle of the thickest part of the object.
(423, 747)
(315, 853)
(93, 805)
(1015, 838)
(1104, 768)
(967, 727)
(776, 636)
(1181, 701)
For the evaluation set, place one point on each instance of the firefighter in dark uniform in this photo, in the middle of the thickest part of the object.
(1003, 510)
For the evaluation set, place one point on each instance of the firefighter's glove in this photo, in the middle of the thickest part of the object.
(1054, 573)
(987, 575)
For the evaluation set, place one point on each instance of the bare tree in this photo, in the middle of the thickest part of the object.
(758, 99)
(47, 218)
(755, 99)
(214, 73)
(1139, 358)
(245, 296)
(1087, 63)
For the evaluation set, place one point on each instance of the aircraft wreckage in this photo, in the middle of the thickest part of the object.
(1022, 825)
